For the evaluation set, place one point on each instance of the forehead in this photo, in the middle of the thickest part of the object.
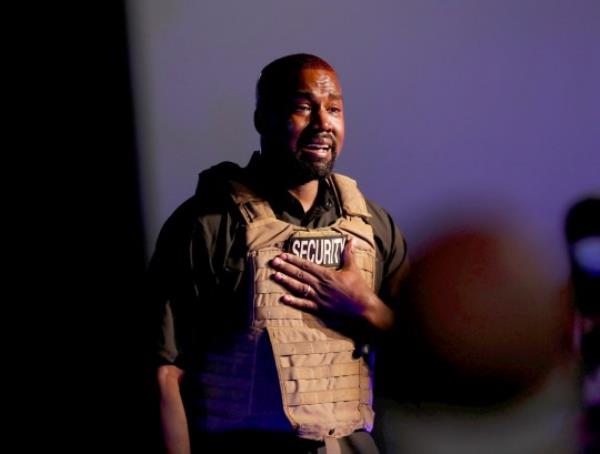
(316, 81)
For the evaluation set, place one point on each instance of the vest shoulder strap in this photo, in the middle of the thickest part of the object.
(224, 179)
(352, 200)
(252, 207)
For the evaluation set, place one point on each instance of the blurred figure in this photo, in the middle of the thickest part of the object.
(480, 360)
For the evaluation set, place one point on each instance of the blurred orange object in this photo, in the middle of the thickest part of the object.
(482, 317)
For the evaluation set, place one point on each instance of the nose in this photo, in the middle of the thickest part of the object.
(321, 119)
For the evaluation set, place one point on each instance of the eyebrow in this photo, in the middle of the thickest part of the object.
(309, 95)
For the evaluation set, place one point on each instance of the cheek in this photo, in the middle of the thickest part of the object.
(295, 127)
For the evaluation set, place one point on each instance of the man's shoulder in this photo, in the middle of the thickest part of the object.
(215, 179)
(375, 209)
(383, 222)
(210, 200)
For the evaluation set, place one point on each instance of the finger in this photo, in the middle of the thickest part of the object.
(348, 255)
(309, 267)
(295, 286)
(300, 303)
(294, 271)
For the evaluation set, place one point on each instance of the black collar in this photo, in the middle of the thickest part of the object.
(260, 177)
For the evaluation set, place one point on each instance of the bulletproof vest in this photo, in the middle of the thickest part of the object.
(288, 369)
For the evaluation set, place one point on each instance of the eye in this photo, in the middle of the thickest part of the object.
(334, 110)
(302, 108)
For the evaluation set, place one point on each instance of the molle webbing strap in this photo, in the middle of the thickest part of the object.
(329, 346)
(323, 397)
(315, 372)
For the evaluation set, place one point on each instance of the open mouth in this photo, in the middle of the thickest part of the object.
(316, 148)
(315, 151)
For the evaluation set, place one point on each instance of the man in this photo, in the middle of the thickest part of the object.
(272, 282)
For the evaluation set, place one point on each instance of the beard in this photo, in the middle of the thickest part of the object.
(293, 170)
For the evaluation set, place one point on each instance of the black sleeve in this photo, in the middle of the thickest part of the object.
(392, 252)
(169, 285)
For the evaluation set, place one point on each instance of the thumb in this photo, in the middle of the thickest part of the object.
(348, 255)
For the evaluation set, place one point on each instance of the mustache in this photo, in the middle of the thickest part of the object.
(322, 137)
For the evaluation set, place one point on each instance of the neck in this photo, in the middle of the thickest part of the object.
(306, 194)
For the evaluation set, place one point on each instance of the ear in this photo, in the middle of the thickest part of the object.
(259, 121)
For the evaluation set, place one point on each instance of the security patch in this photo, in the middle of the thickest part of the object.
(322, 250)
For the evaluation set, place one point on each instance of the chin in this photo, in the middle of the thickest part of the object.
(323, 170)
(321, 167)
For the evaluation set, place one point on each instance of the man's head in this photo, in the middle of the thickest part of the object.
(299, 116)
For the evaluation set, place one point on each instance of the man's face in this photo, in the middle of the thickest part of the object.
(305, 132)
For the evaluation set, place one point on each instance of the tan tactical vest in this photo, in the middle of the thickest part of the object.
(324, 388)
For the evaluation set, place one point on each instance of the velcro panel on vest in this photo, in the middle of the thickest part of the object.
(321, 246)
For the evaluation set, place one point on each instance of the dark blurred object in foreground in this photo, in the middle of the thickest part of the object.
(483, 320)
(582, 230)
(482, 350)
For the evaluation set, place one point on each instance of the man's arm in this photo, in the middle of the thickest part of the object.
(172, 414)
